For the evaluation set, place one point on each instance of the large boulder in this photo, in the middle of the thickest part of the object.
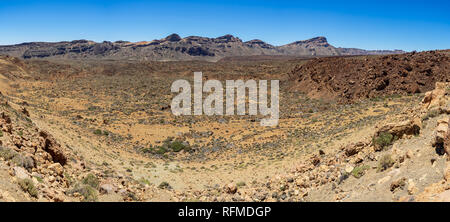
(436, 97)
(396, 131)
(447, 141)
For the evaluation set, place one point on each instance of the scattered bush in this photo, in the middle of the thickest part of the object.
(359, 171)
(88, 193)
(383, 140)
(7, 153)
(385, 163)
(26, 162)
(91, 180)
(431, 114)
(164, 185)
(177, 146)
(240, 184)
(27, 185)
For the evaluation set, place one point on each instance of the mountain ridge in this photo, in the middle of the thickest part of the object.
(175, 48)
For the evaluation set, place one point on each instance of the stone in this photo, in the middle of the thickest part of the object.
(398, 184)
(231, 188)
(56, 168)
(447, 172)
(398, 130)
(107, 189)
(412, 189)
(349, 168)
(384, 180)
(21, 173)
(433, 98)
(353, 149)
(447, 142)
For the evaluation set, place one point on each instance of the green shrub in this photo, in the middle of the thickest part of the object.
(161, 150)
(88, 193)
(383, 140)
(98, 132)
(164, 185)
(240, 184)
(1, 133)
(385, 163)
(7, 153)
(27, 185)
(91, 180)
(431, 114)
(177, 146)
(359, 171)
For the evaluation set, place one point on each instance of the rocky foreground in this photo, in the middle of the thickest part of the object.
(35, 167)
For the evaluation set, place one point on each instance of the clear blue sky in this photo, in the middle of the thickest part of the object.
(408, 25)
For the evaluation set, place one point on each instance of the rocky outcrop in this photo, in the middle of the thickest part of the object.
(52, 147)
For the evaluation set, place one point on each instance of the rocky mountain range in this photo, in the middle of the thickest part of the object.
(175, 48)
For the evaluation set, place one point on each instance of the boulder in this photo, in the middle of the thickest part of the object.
(21, 173)
(435, 97)
(353, 148)
(107, 189)
(447, 141)
(230, 188)
(441, 130)
(56, 168)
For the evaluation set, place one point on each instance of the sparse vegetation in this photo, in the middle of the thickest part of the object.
(383, 140)
(359, 171)
(431, 114)
(7, 153)
(88, 193)
(164, 185)
(91, 180)
(385, 163)
(27, 185)
(240, 184)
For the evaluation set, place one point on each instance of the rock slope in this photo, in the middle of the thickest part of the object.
(352, 79)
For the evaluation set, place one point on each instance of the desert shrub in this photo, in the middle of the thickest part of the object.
(177, 146)
(91, 180)
(359, 171)
(161, 150)
(26, 162)
(98, 132)
(27, 185)
(431, 114)
(383, 140)
(385, 163)
(7, 153)
(88, 193)
(144, 181)
(164, 185)
(1, 133)
(240, 184)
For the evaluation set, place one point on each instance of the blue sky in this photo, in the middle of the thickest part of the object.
(408, 25)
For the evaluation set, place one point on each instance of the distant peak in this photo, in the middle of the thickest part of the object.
(173, 38)
(315, 40)
(321, 39)
(229, 38)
